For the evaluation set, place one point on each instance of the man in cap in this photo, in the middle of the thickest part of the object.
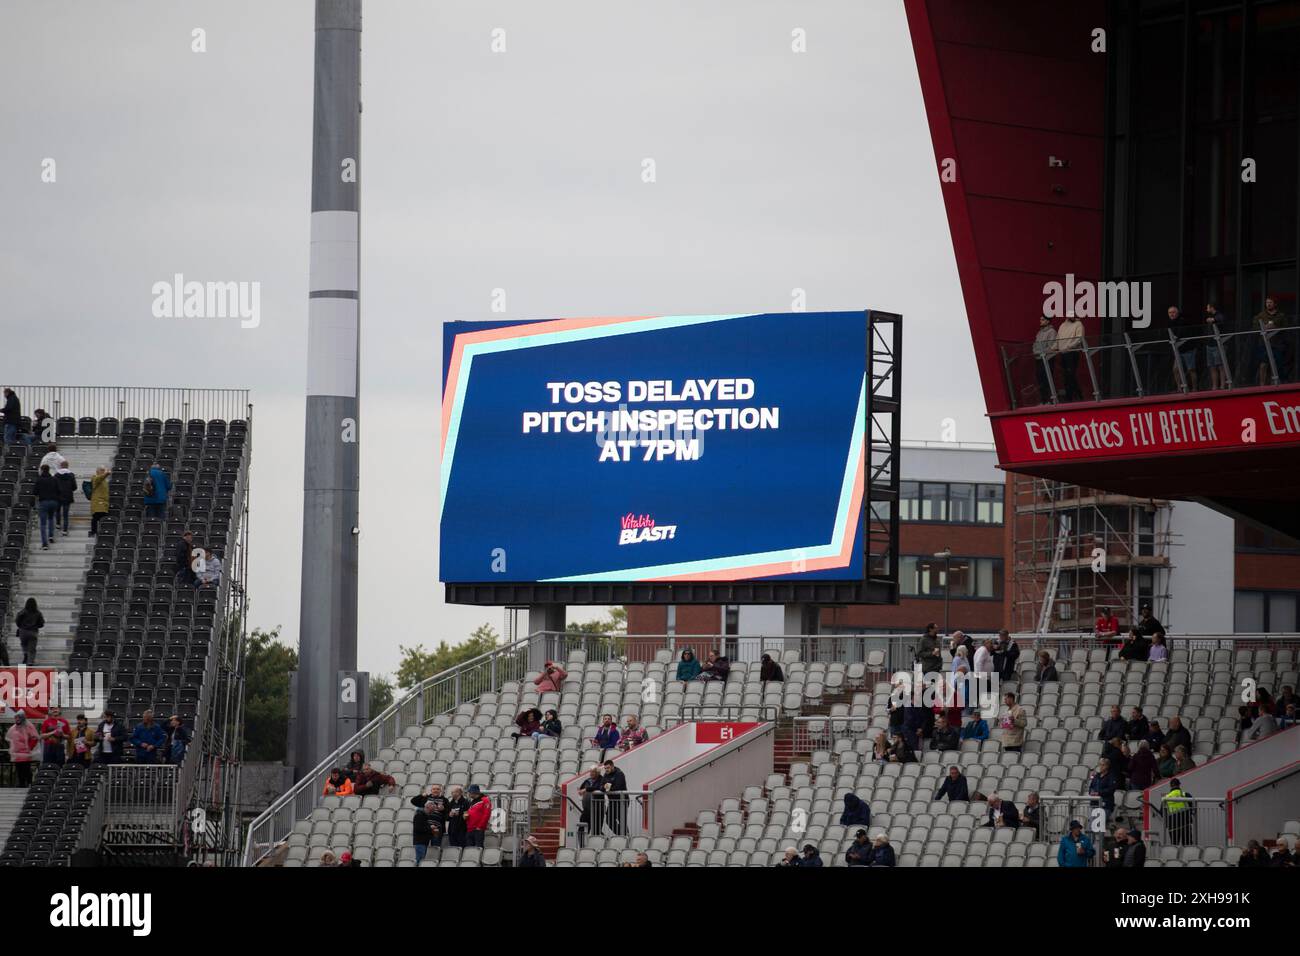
(859, 852)
(477, 816)
(1075, 849)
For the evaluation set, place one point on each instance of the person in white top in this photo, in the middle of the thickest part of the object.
(52, 458)
(1069, 342)
(984, 658)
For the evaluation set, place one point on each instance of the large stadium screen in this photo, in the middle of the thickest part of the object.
(654, 448)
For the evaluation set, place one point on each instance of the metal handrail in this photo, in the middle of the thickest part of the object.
(124, 401)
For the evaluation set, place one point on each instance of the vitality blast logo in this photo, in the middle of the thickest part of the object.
(637, 529)
(133, 910)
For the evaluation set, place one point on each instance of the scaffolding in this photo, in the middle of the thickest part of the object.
(1076, 550)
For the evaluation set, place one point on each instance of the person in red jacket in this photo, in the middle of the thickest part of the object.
(478, 815)
(370, 780)
(551, 679)
(55, 731)
(1107, 625)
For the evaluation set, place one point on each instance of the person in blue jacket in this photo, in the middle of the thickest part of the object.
(1075, 849)
(882, 854)
(155, 502)
(607, 734)
(688, 668)
(147, 738)
(810, 856)
(977, 728)
(954, 786)
(856, 812)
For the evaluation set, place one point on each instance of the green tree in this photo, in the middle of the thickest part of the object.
(615, 623)
(417, 664)
(267, 664)
(381, 694)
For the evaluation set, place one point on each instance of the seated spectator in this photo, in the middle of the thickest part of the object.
(1282, 855)
(1288, 718)
(337, 784)
(1183, 760)
(1002, 813)
(1155, 736)
(147, 738)
(531, 855)
(551, 726)
(810, 856)
(1103, 783)
(770, 670)
(976, 728)
(883, 853)
(1135, 647)
(1138, 726)
(716, 667)
(1032, 815)
(1253, 855)
(1013, 724)
(642, 861)
(860, 851)
(954, 786)
(880, 748)
(945, 736)
(1142, 769)
(347, 859)
(1246, 714)
(634, 735)
(1045, 670)
(1166, 765)
(606, 735)
(328, 859)
(529, 722)
(688, 668)
(856, 811)
(1075, 849)
(551, 679)
(356, 763)
(371, 780)
(1006, 652)
(210, 576)
(900, 751)
(1158, 651)
(791, 857)
(1113, 726)
(1178, 735)
(1284, 700)
(1263, 727)
(1107, 625)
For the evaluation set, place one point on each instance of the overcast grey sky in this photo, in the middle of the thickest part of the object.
(518, 170)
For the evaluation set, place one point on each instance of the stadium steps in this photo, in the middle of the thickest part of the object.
(783, 752)
(11, 805)
(548, 829)
(57, 577)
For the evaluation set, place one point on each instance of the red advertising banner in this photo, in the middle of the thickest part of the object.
(1137, 429)
(720, 733)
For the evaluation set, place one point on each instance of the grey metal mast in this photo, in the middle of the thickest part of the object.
(328, 623)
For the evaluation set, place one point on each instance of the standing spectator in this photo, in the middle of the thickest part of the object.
(112, 738)
(984, 658)
(856, 811)
(146, 738)
(1103, 783)
(1186, 330)
(55, 731)
(716, 667)
(183, 556)
(927, 651)
(1142, 769)
(1045, 358)
(1069, 344)
(551, 679)
(1013, 723)
(1075, 849)
(976, 728)
(67, 494)
(1178, 813)
(1148, 624)
(592, 818)
(42, 425)
(22, 737)
(371, 781)
(954, 786)
(29, 622)
(337, 784)
(157, 486)
(860, 851)
(98, 498)
(1214, 359)
(689, 666)
(435, 818)
(1116, 751)
(1113, 726)
(1138, 726)
(478, 816)
(47, 495)
(882, 854)
(51, 458)
(1002, 813)
(614, 788)
(1272, 319)
(178, 740)
(770, 670)
(1032, 815)
(606, 735)
(945, 736)
(1178, 735)
(532, 853)
(529, 722)
(1112, 853)
(1006, 652)
(1107, 624)
(457, 810)
(1155, 736)
(960, 666)
(81, 742)
(634, 735)
(1046, 669)
(1158, 651)
(425, 826)
(1135, 853)
(13, 416)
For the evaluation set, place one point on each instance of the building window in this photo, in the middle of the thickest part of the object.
(961, 503)
(923, 576)
(934, 502)
(955, 503)
(1265, 612)
(989, 508)
(909, 501)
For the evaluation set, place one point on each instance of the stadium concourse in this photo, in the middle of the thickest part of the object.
(459, 729)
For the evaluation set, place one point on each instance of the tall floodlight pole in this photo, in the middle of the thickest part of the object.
(328, 629)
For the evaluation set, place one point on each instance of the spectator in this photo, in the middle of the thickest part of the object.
(1187, 330)
(1114, 750)
(606, 735)
(1135, 647)
(983, 663)
(1148, 624)
(1253, 855)
(13, 416)
(615, 789)
(81, 742)
(1178, 735)
(551, 726)
(146, 738)
(1263, 727)
(716, 667)
(1142, 769)
(791, 857)
(962, 639)
(900, 751)
(1112, 853)
(434, 806)
(976, 728)
(1158, 651)
(477, 816)
(954, 786)
(112, 738)
(531, 855)
(51, 458)
(810, 856)
(183, 558)
(1215, 320)
(1113, 726)
(356, 763)
(1002, 813)
(960, 664)
(1183, 761)
(328, 859)
(55, 731)
(927, 651)
(1135, 853)
(634, 735)
(29, 622)
(642, 861)
(1075, 849)
(883, 853)
(457, 810)
(1107, 624)
(1166, 765)
(42, 426)
(178, 740)
(1069, 345)
(1013, 724)
(551, 679)
(880, 748)
(1032, 815)
(529, 722)
(1138, 725)
(337, 784)
(1282, 855)
(1272, 319)
(1285, 700)
(1006, 652)
(1103, 783)
(67, 494)
(371, 781)
(425, 827)
(210, 576)
(1045, 358)
(856, 811)
(945, 736)
(1288, 718)
(157, 486)
(23, 738)
(860, 851)
(47, 495)
(98, 498)
(770, 670)
(1155, 736)
(592, 816)
(688, 668)
(1178, 813)
(913, 724)
(1045, 670)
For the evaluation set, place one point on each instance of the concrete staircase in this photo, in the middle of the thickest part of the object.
(57, 577)
(11, 804)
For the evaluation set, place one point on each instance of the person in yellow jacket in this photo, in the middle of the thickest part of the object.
(1178, 814)
(98, 498)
